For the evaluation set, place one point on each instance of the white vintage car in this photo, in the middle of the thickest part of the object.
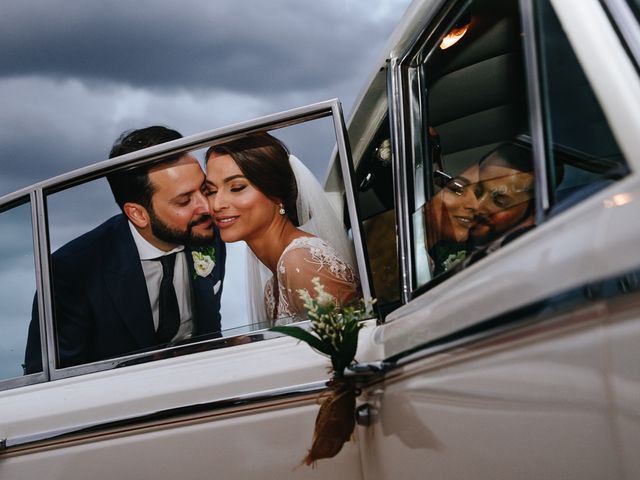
(510, 354)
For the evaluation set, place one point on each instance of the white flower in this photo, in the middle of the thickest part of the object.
(324, 299)
(453, 259)
(305, 297)
(203, 264)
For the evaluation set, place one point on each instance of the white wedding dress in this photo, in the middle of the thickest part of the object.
(302, 260)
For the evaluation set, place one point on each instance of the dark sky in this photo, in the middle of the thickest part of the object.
(75, 74)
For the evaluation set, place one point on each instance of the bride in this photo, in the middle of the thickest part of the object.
(261, 194)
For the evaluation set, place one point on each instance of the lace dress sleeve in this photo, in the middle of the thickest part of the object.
(298, 267)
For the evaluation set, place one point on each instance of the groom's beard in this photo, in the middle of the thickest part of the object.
(180, 237)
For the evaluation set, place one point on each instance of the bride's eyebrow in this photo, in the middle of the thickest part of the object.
(233, 177)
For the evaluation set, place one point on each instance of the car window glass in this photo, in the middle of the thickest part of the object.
(73, 213)
(17, 287)
(98, 277)
(582, 152)
(378, 214)
(480, 185)
(102, 303)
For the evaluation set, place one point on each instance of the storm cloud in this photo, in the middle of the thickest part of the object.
(256, 47)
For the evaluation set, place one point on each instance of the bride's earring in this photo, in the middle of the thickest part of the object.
(281, 211)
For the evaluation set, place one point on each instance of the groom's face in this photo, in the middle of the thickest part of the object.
(179, 213)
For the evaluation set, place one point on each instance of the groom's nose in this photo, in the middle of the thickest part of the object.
(201, 204)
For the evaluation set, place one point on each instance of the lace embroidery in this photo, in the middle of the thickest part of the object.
(322, 258)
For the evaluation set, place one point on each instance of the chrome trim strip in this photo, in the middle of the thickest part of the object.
(348, 175)
(396, 118)
(43, 289)
(267, 396)
(536, 112)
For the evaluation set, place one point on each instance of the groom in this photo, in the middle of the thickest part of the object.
(147, 277)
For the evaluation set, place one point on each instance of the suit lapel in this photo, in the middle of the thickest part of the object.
(207, 302)
(127, 287)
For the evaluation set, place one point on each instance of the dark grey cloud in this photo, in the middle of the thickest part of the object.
(235, 45)
(74, 74)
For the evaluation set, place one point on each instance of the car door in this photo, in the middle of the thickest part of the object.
(240, 406)
(507, 354)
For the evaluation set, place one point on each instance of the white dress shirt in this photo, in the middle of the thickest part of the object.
(152, 269)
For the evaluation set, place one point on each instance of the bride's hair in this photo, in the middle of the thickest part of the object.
(264, 161)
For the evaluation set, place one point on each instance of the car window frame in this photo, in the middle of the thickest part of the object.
(401, 94)
(37, 195)
(405, 70)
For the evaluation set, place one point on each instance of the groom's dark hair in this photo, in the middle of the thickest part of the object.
(134, 185)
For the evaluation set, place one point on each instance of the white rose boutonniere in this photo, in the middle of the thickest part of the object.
(454, 259)
(203, 261)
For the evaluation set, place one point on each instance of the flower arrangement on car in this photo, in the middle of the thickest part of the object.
(333, 333)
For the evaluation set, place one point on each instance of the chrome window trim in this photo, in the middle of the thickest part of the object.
(536, 111)
(627, 23)
(204, 345)
(38, 191)
(400, 176)
(43, 282)
(265, 398)
(349, 179)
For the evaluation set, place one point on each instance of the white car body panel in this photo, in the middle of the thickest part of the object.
(550, 395)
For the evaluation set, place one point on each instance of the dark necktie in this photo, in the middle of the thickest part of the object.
(169, 313)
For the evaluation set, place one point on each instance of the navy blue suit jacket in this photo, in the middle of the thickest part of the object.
(101, 303)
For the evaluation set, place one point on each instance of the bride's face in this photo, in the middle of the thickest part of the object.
(241, 211)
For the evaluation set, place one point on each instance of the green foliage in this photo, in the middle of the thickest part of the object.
(334, 331)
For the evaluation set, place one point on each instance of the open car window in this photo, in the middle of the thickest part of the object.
(61, 328)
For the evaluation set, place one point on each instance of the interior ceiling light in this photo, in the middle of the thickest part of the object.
(454, 35)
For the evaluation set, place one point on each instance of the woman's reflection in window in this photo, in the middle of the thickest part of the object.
(450, 214)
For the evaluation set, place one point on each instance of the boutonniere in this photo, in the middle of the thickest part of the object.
(454, 259)
(203, 260)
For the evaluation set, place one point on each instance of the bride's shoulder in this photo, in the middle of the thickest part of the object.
(307, 245)
(307, 252)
